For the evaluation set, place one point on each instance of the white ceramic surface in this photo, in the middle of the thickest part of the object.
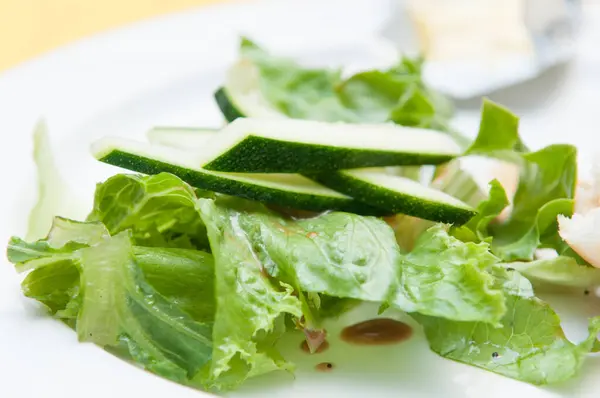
(164, 72)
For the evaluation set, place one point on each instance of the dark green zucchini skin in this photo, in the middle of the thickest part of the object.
(266, 155)
(395, 201)
(229, 111)
(209, 181)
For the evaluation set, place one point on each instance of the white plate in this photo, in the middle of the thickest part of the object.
(164, 72)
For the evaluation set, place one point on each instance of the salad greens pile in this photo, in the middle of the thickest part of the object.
(198, 287)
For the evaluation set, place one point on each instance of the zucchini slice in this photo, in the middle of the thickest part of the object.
(240, 96)
(249, 145)
(398, 195)
(288, 190)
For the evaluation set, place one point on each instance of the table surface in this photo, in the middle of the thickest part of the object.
(32, 27)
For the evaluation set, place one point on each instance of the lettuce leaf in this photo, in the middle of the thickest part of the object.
(397, 94)
(117, 300)
(159, 209)
(529, 346)
(184, 277)
(498, 134)
(250, 307)
(295, 91)
(558, 271)
(95, 281)
(53, 262)
(546, 189)
(488, 209)
(448, 278)
(349, 256)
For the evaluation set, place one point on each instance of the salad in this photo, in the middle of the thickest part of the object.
(322, 192)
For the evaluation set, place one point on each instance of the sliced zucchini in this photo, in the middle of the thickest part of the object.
(398, 195)
(249, 145)
(241, 95)
(188, 138)
(289, 190)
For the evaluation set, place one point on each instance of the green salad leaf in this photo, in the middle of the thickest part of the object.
(397, 94)
(96, 282)
(250, 306)
(160, 210)
(498, 134)
(349, 256)
(557, 271)
(443, 276)
(529, 346)
(183, 276)
(295, 91)
(546, 189)
(487, 211)
(117, 301)
(54, 262)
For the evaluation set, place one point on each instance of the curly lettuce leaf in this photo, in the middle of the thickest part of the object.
(117, 301)
(250, 307)
(549, 174)
(529, 346)
(564, 269)
(397, 94)
(557, 271)
(349, 256)
(498, 134)
(63, 240)
(445, 277)
(159, 209)
(293, 90)
(184, 277)
(488, 209)
(542, 233)
(97, 283)
(546, 189)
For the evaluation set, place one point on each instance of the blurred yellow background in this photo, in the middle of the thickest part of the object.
(32, 27)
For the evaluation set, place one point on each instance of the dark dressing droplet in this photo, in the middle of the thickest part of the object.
(324, 367)
(379, 331)
(586, 292)
(510, 269)
(323, 347)
(495, 355)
